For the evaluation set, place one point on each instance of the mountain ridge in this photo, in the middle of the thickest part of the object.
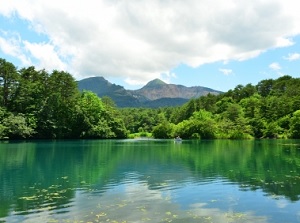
(155, 93)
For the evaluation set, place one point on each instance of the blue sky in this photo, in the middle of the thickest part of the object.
(271, 64)
(217, 44)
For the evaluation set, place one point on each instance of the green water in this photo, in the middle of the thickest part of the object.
(150, 181)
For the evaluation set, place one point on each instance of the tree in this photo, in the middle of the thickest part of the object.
(16, 127)
(206, 124)
(234, 123)
(280, 85)
(31, 91)
(258, 126)
(223, 104)
(3, 115)
(90, 111)
(200, 125)
(208, 102)
(276, 107)
(264, 87)
(272, 130)
(295, 125)
(114, 119)
(98, 119)
(56, 118)
(251, 105)
(163, 131)
(233, 112)
(8, 82)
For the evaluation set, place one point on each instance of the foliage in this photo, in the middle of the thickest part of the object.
(295, 125)
(17, 127)
(37, 104)
(140, 135)
(163, 131)
(8, 82)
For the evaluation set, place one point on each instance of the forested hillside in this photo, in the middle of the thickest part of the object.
(37, 104)
(271, 109)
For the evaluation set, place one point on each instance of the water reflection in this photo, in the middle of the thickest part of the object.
(208, 181)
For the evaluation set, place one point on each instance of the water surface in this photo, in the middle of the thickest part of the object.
(150, 181)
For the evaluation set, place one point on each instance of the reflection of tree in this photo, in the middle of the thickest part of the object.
(262, 164)
(38, 174)
(35, 175)
(268, 165)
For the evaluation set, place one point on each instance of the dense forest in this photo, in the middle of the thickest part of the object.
(35, 104)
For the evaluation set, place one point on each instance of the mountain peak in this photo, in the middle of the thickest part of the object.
(155, 83)
(155, 93)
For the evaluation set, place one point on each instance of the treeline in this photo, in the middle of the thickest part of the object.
(41, 105)
(271, 109)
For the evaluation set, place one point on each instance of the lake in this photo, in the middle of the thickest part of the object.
(150, 181)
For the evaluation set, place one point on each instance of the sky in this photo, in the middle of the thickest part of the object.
(217, 44)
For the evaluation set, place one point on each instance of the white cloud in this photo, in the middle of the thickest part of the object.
(292, 56)
(47, 55)
(226, 71)
(275, 66)
(140, 40)
(10, 44)
(167, 76)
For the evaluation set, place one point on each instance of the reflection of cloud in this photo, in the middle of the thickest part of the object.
(134, 202)
(134, 191)
(281, 203)
(217, 215)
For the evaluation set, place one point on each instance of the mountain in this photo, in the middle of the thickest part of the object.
(102, 87)
(155, 93)
(158, 89)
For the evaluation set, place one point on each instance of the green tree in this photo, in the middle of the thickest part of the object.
(206, 124)
(90, 111)
(56, 118)
(163, 131)
(280, 85)
(258, 127)
(295, 125)
(31, 92)
(272, 130)
(264, 87)
(98, 119)
(200, 125)
(8, 82)
(3, 115)
(274, 107)
(251, 106)
(233, 123)
(186, 111)
(17, 127)
(223, 104)
(240, 92)
(114, 119)
(208, 102)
